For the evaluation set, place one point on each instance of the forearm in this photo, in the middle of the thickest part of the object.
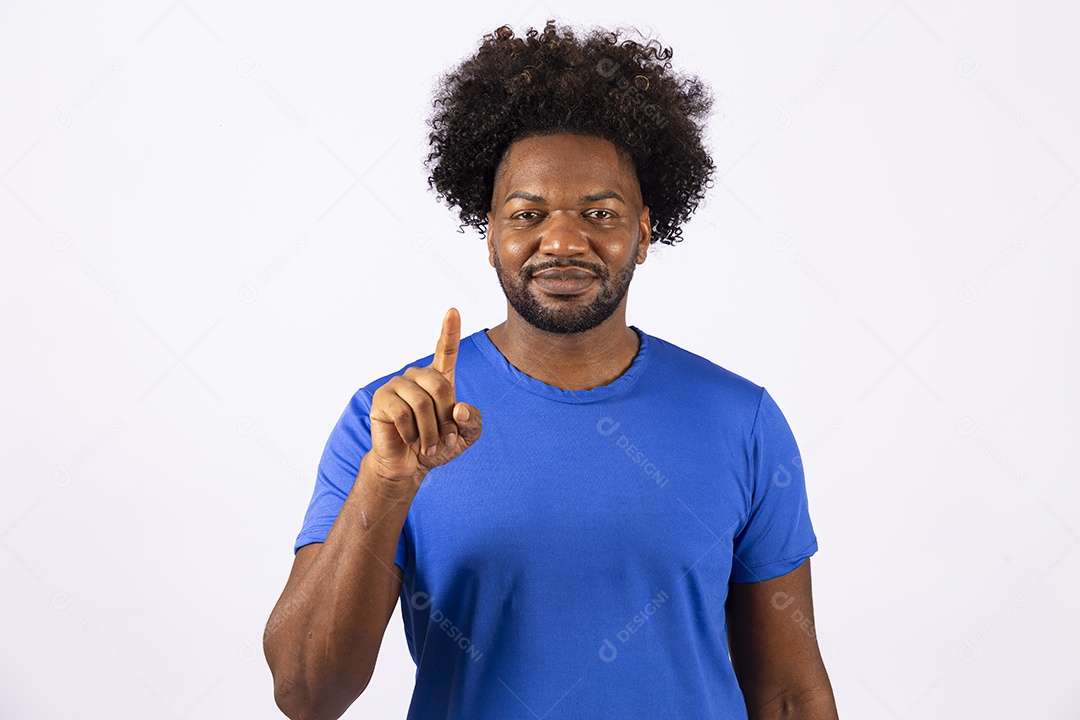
(323, 637)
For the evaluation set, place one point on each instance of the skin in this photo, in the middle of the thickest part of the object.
(773, 646)
(323, 636)
(558, 200)
(555, 224)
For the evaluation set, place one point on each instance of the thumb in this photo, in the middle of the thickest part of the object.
(469, 421)
(466, 429)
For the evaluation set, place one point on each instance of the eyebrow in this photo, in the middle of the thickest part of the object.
(602, 195)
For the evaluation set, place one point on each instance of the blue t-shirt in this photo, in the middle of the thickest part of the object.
(574, 561)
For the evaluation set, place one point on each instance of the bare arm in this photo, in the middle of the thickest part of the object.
(774, 649)
(323, 636)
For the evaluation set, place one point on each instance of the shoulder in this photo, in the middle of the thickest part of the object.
(683, 367)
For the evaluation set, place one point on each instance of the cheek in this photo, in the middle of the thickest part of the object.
(515, 251)
(620, 252)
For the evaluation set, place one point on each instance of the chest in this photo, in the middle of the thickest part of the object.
(585, 503)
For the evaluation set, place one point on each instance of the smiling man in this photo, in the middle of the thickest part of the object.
(625, 532)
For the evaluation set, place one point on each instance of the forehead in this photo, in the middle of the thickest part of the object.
(565, 159)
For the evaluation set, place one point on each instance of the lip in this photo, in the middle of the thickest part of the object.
(566, 280)
(561, 284)
(564, 273)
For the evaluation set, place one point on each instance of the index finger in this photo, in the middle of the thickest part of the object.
(446, 351)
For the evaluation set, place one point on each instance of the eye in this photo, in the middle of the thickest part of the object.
(600, 214)
(525, 215)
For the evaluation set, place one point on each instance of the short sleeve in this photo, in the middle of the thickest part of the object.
(349, 441)
(777, 535)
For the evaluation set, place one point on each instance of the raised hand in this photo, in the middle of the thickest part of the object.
(416, 422)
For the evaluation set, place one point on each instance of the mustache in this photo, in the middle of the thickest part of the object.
(597, 270)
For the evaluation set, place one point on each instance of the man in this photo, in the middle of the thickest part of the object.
(579, 519)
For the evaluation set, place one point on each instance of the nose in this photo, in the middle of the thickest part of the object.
(564, 234)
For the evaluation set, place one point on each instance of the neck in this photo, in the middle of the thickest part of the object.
(571, 361)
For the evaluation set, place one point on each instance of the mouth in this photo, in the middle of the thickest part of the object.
(566, 281)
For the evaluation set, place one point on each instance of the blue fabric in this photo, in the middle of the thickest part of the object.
(574, 562)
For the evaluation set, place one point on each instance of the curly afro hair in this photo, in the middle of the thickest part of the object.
(551, 81)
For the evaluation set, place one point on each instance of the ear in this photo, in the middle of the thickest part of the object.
(490, 242)
(645, 224)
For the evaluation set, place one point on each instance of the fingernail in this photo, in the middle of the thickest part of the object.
(431, 450)
(451, 438)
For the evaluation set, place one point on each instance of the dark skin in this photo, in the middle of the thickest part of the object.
(774, 651)
(580, 201)
(562, 170)
(770, 624)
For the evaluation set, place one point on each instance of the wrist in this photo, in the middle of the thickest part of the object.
(393, 488)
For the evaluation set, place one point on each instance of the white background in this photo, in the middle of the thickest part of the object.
(216, 227)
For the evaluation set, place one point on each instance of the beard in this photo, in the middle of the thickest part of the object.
(564, 314)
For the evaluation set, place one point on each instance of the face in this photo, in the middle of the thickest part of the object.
(566, 229)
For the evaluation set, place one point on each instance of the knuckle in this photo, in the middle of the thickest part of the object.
(444, 392)
(402, 415)
(424, 403)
